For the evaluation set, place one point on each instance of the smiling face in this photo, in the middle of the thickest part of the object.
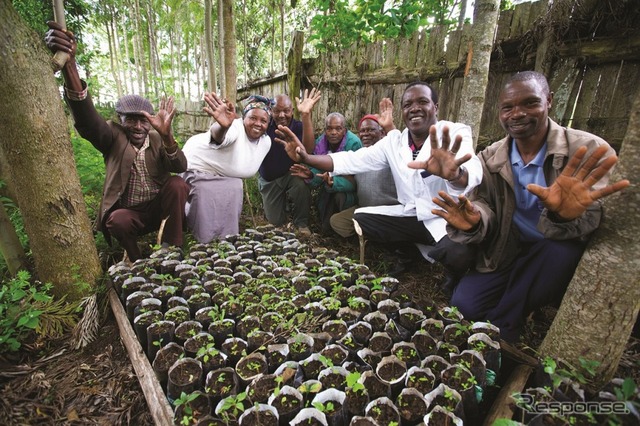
(524, 111)
(370, 132)
(419, 111)
(256, 122)
(282, 110)
(136, 127)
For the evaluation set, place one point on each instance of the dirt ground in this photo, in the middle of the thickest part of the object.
(56, 385)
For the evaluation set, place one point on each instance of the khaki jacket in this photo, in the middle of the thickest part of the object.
(497, 235)
(110, 139)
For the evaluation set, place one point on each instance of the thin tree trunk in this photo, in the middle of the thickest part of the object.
(39, 158)
(273, 36)
(221, 45)
(601, 304)
(230, 69)
(283, 52)
(143, 82)
(156, 70)
(245, 61)
(463, 13)
(476, 76)
(114, 67)
(208, 36)
(130, 79)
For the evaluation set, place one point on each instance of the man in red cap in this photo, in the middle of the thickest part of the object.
(140, 154)
(374, 188)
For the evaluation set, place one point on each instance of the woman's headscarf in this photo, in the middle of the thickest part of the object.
(257, 101)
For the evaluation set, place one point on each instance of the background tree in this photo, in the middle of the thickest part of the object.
(39, 158)
(601, 304)
(229, 49)
(210, 52)
(476, 76)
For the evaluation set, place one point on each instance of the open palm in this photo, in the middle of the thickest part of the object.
(221, 110)
(571, 193)
(163, 118)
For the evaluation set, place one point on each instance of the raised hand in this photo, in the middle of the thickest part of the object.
(220, 110)
(58, 39)
(385, 116)
(308, 101)
(301, 171)
(460, 214)
(292, 145)
(572, 192)
(163, 118)
(442, 162)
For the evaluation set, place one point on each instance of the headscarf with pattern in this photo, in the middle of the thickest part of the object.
(260, 102)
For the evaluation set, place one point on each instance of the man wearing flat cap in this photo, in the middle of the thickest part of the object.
(140, 154)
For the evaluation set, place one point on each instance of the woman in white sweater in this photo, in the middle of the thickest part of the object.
(218, 160)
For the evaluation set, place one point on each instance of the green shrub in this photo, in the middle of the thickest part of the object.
(19, 310)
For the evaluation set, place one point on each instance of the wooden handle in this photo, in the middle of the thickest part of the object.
(60, 58)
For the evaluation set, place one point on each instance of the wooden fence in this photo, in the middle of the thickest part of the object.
(594, 86)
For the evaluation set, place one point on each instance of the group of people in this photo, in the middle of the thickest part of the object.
(508, 224)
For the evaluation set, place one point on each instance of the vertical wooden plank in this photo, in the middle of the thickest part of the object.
(624, 91)
(504, 25)
(396, 98)
(520, 22)
(414, 44)
(490, 128)
(454, 46)
(391, 53)
(436, 46)
(539, 10)
(585, 101)
(402, 53)
(563, 83)
(423, 47)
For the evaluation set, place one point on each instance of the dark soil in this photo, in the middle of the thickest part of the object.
(51, 383)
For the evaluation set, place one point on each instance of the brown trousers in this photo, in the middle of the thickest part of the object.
(127, 224)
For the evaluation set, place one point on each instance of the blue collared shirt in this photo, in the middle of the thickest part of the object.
(528, 206)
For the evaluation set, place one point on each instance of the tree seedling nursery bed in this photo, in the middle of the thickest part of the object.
(262, 329)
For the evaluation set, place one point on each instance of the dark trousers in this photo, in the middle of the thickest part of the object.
(127, 224)
(404, 230)
(539, 276)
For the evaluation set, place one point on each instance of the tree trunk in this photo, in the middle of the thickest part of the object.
(230, 67)
(129, 81)
(601, 304)
(112, 54)
(211, 57)
(476, 76)
(221, 46)
(38, 154)
(463, 13)
(282, 48)
(294, 66)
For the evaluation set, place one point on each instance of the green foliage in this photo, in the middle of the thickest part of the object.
(15, 217)
(19, 312)
(558, 371)
(341, 23)
(185, 400)
(353, 382)
(233, 406)
(91, 172)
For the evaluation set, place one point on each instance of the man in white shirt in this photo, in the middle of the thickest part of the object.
(420, 170)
